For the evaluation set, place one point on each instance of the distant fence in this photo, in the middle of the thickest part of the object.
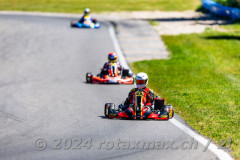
(221, 10)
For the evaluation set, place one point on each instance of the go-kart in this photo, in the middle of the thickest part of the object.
(86, 24)
(111, 76)
(140, 110)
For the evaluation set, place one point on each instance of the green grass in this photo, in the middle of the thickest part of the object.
(234, 28)
(202, 81)
(76, 6)
(153, 23)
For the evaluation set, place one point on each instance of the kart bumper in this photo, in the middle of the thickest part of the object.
(112, 80)
(124, 115)
(81, 25)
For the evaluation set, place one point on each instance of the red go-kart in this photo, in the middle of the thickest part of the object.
(140, 110)
(111, 76)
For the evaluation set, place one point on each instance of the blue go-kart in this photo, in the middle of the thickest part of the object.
(86, 24)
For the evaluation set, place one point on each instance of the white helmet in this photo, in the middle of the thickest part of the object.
(86, 11)
(141, 80)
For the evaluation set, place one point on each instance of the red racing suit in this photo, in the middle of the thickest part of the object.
(149, 97)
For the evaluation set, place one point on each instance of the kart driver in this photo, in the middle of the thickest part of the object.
(141, 80)
(112, 58)
(86, 17)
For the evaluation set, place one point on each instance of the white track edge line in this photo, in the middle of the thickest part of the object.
(221, 154)
(118, 49)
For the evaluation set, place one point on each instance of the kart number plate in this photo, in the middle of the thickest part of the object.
(112, 81)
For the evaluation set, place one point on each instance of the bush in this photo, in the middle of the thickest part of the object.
(230, 3)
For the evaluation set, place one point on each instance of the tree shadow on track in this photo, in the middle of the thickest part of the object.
(205, 19)
(223, 37)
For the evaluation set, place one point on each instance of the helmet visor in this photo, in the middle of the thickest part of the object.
(141, 81)
(112, 57)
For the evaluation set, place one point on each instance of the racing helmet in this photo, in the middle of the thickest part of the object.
(86, 11)
(141, 80)
(112, 57)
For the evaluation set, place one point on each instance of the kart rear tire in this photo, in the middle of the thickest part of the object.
(89, 77)
(72, 24)
(107, 107)
(125, 73)
(94, 20)
(159, 104)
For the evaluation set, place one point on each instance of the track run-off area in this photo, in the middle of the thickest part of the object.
(47, 111)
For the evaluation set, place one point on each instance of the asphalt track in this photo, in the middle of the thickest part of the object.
(43, 95)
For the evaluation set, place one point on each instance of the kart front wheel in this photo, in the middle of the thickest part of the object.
(166, 110)
(170, 111)
(107, 108)
(89, 77)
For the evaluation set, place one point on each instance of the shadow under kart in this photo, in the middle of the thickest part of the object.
(160, 111)
(104, 78)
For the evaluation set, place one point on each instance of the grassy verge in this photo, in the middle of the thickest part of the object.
(202, 81)
(77, 6)
(153, 23)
